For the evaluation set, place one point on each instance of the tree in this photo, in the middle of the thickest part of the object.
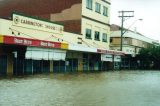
(150, 57)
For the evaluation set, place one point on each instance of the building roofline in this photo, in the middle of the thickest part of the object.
(106, 2)
(133, 32)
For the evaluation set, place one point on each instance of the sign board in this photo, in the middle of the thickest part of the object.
(106, 57)
(30, 42)
(117, 58)
(110, 52)
(36, 24)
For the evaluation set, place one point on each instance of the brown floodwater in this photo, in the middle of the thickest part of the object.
(118, 88)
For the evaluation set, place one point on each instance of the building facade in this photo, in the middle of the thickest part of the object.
(131, 45)
(30, 44)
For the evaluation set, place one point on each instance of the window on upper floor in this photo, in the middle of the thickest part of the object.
(89, 4)
(98, 7)
(105, 11)
(88, 33)
(104, 37)
(97, 35)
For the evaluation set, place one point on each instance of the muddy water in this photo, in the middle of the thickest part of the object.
(132, 88)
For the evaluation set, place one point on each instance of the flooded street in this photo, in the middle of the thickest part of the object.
(119, 88)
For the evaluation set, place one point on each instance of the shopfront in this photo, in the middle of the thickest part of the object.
(33, 57)
(3, 64)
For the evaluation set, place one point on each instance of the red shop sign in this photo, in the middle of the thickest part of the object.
(30, 42)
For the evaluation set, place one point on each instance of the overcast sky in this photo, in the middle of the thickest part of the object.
(148, 10)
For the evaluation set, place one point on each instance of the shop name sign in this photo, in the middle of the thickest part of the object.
(36, 24)
(30, 42)
(22, 41)
(105, 57)
(110, 52)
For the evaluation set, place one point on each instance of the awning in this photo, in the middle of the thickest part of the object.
(45, 54)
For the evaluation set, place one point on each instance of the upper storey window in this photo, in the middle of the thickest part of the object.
(98, 7)
(105, 11)
(89, 4)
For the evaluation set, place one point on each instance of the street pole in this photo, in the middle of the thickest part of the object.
(123, 15)
(122, 21)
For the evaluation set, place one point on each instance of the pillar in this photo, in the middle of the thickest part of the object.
(51, 66)
(9, 64)
(80, 64)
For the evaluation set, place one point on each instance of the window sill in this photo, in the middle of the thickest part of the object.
(105, 15)
(104, 41)
(89, 8)
(98, 12)
(88, 38)
(97, 39)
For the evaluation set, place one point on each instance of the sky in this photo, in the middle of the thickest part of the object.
(148, 10)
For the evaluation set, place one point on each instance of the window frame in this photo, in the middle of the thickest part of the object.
(86, 30)
(98, 7)
(104, 40)
(105, 11)
(89, 4)
(95, 36)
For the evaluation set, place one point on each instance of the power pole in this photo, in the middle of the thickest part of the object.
(124, 15)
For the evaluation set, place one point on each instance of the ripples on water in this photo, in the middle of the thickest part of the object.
(120, 88)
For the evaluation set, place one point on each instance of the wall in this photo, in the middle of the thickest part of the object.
(96, 22)
(73, 13)
(94, 15)
(8, 28)
(96, 27)
(35, 7)
(132, 35)
(73, 26)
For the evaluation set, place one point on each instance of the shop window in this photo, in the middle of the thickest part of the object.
(89, 4)
(104, 37)
(88, 33)
(98, 7)
(105, 11)
(97, 36)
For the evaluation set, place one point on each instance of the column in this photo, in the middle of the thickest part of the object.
(51, 66)
(9, 64)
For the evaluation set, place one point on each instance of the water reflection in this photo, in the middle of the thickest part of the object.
(120, 88)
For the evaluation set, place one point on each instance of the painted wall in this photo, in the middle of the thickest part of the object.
(96, 27)
(94, 15)
(73, 13)
(132, 35)
(10, 30)
(127, 49)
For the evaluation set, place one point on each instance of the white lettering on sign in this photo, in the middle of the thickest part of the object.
(19, 41)
(43, 43)
(27, 42)
(50, 44)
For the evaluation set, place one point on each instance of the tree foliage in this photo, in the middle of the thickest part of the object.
(150, 57)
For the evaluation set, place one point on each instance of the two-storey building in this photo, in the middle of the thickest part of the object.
(30, 44)
(133, 41)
